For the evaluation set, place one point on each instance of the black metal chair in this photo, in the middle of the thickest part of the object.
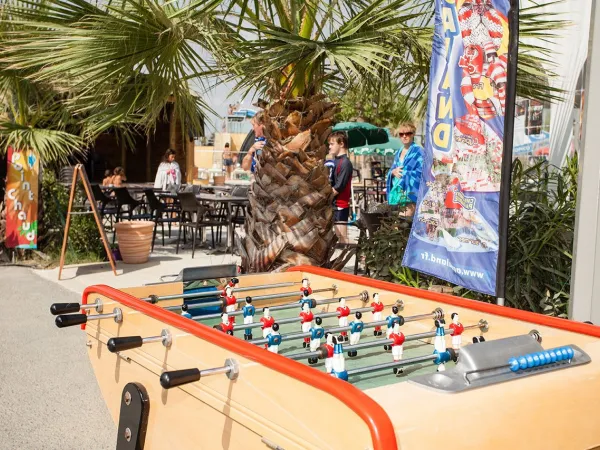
(374, 189)
(107, 205)
(124, 198)
(194, 216)
(157, 210)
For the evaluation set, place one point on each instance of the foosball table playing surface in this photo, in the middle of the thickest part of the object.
(312, 358)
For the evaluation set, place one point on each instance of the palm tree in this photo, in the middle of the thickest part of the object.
(297, 51)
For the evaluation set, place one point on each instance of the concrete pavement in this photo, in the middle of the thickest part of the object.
(49, 398)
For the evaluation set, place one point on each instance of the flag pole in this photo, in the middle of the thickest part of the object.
(507, 144)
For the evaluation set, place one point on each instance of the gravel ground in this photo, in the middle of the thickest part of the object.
(49, 398)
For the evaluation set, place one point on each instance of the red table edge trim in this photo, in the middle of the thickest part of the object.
(504, 311)
(380, 426)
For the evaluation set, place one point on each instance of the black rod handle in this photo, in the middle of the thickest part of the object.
(69, 320)
(119, 344)
(64, 308)
(179, 377)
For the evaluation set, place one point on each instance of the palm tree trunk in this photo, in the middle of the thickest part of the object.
(290, 219)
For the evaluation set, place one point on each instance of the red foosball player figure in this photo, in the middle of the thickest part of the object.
(330, 341)
(267, 322)
(457, 331)
(306, 318)
(377, 310)
(231, 283)
(306, 286)
(398, 339)
(225, 326)
(343, 313)
(230, 302)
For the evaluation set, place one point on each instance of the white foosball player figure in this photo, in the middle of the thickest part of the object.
(316, 334)
(356, 328)
(338, 364)
(377, 310)
(439, 342)
(274, 339)
(248, 312)
(306, 318)
(457, 331)
(306, 286)
(329, 348)
(231, 302)
(398, 339)
(343, 313)
(267, 322)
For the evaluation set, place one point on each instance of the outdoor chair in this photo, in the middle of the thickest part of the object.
(373, 188)
(194, 216)
(108, 206)
(124, 198)
(158, 210)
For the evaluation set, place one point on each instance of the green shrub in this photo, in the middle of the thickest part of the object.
(84, 243)
(541, 230)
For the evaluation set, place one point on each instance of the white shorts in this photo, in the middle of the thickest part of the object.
(273, 348)
(343, 321)
(328, 365)
(354, 338)
(397, 352)
(439, 343)
(230, 308)
(456, 341)
(248, 320)
(376, 316)
(266, 332)
(314, 344)
(388, 332)
(306, 327)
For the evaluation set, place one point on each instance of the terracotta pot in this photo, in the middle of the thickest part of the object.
(219, 180)
(135, 240)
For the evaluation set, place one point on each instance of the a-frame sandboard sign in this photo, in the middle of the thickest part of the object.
(79, 172)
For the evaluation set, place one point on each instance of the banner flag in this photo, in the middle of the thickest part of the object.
(455, 230)
(22, 199)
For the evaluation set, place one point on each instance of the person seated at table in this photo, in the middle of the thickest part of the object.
(258, 125)
(404, 177)
(168, 175)
(107, 181)
(118, 177)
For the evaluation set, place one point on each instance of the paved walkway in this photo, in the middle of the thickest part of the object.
(49, 398)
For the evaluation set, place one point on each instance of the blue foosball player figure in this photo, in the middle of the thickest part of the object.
(248, 312)
(392, 320)
(316, 334)
(356, 328)
(339, 364)
(274, 339)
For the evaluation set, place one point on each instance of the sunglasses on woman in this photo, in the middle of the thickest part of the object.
(410, 133)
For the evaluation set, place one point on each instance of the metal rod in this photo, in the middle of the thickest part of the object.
(152, 339)
(193, 295)
(215, 371)
(375, 343)
(116, 314)
(260, 297)
(391, 365)
(378, 323)
(278, 308)
(294, 319)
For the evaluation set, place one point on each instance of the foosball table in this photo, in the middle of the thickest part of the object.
(312, 358)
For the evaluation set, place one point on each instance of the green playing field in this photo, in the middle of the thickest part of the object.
(366, 357)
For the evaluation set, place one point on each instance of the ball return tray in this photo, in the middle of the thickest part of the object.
(502, 360)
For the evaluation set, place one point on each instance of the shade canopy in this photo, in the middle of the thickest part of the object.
(361, 134)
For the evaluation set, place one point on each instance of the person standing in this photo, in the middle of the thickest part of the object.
(229, 160)
(404, 177)
(258, 126)
(341, 181)
(168, 175)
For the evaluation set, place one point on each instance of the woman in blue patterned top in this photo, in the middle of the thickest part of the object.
(404, 177)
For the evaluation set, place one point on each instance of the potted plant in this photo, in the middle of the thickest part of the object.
(135, 240)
